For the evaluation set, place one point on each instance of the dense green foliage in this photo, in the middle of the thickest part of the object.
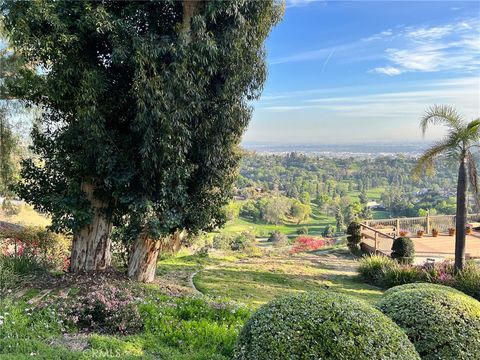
(321, 326)
(147, 111)
(354, 235)
(442, 324)
(403, 250)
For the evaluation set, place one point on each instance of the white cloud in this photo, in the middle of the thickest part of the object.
(345, 114)
(453, 46)
(380, 36)
(389, 70)
(431, 33)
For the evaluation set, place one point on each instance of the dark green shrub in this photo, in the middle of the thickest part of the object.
(328, 231)
(403, 250)
(372, 269)
(354, 237)
(442, 324)
(322, 325)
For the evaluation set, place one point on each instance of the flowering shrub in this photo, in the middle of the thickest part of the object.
(385, 272)
(105, 309)
(305, 243)
(35, 245)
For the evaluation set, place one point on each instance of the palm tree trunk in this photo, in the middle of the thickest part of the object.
(461, 215)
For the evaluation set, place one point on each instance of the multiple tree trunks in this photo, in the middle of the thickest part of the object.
(142, 263)
(461, 215)
(91, 244)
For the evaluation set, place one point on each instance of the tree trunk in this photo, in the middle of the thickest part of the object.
(461, 215)
(142, 263)
(190, 8)
(91, 243)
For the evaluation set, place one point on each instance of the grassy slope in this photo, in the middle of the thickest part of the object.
(257, 280)
(27, 216)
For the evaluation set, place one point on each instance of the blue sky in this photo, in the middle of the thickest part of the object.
(365, 71)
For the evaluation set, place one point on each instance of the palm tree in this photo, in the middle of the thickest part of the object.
(458, 142)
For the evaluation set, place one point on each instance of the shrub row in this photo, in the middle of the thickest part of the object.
(413, 321)
(322, 325)
(385, 272)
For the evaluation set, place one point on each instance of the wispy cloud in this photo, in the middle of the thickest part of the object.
(389, 70)
(453, 46)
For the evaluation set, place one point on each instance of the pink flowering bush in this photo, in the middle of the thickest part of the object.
(35, 246)
(306, 243)
(105, 309)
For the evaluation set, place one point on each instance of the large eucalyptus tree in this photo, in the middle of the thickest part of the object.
(461, 138)
(144, 104)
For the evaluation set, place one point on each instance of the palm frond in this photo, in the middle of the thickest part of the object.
(473, 177)
(426, 162)
(473, 129)
(441, 115)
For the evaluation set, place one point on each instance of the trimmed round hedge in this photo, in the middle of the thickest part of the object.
(441, 323)
(323, 325)
(427, 286)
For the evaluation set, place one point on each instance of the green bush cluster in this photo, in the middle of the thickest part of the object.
(322, 325)
(234, 242)
(441, 322)
(278, 239)
(403, 250)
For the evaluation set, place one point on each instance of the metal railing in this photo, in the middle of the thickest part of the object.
(439, 222)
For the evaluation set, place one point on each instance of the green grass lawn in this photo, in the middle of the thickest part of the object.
(315, 224)
(373, 194)
(257, 280)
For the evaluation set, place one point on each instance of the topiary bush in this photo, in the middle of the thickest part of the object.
(442, 324)
(354, 236)
(403, 250)
(322, 325)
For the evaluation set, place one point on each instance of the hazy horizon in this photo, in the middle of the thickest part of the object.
(355, 72)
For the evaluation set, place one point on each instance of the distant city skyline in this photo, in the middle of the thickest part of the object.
(359, 71)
